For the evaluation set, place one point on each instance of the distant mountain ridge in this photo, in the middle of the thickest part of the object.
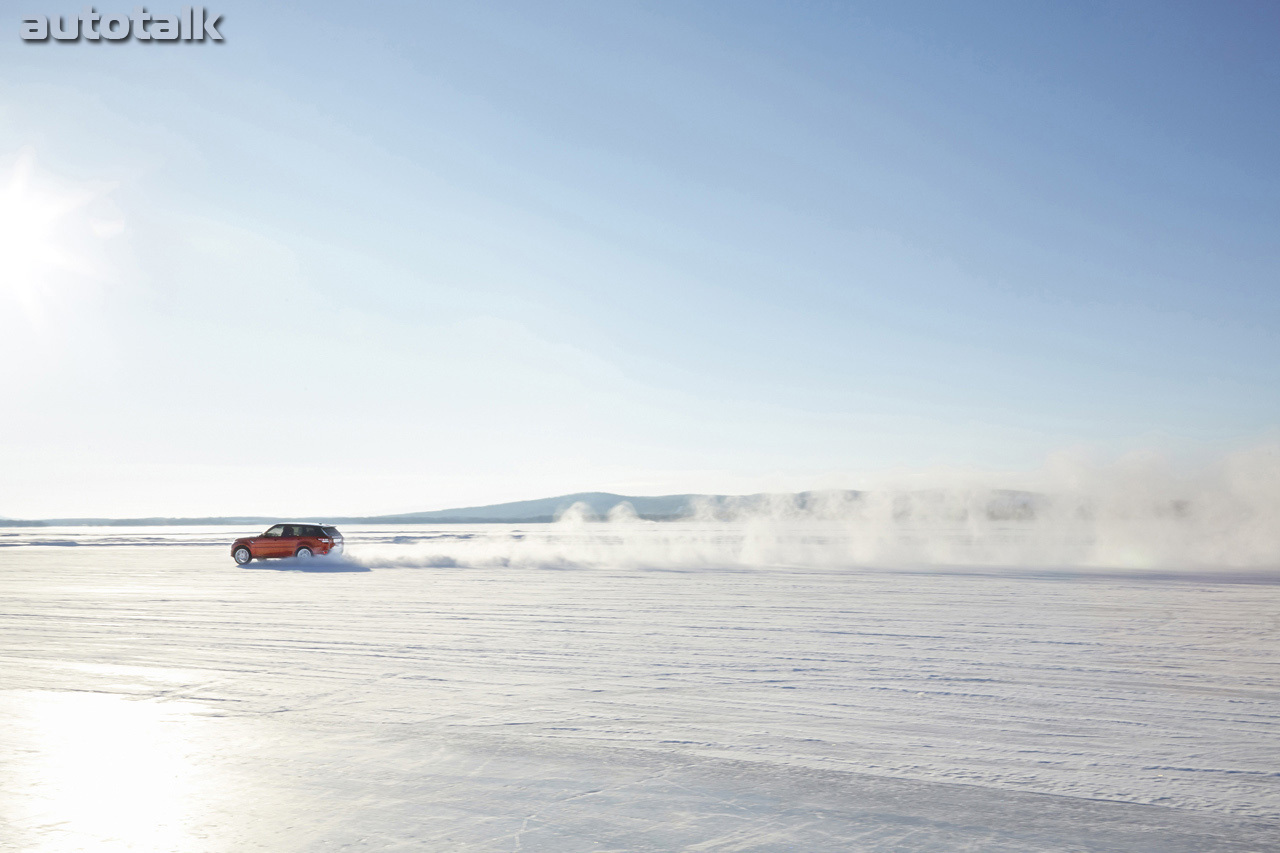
(999, 504)
(656, 508)
(659, 508)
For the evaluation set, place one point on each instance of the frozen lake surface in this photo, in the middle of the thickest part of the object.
(623, 688)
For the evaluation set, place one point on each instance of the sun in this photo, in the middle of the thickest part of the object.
(39, 249)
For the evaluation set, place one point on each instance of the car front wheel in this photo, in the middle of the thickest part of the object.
(242, 555)
(303, 553)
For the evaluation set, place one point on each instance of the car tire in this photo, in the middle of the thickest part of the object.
(303, 553)
(242, 555)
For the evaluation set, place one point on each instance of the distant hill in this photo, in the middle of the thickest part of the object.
(661, 508)
(133, 522)
(1000, 504)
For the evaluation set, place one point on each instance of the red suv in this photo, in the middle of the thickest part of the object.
(288, 540)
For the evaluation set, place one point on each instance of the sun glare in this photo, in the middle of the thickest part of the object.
(103, 772)
(38, 245)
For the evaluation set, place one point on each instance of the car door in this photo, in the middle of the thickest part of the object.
(307, 538)
(290, 540)
(268, 544)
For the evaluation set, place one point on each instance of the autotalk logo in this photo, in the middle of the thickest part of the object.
(193, 23)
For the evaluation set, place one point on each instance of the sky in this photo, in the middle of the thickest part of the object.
(387, 257)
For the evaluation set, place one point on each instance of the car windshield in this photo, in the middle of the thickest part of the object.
(331, 532)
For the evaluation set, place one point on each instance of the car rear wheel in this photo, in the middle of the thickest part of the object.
(304, 553)
(242, 555)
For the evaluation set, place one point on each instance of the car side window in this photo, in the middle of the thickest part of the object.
(278, 530)
(291, 530)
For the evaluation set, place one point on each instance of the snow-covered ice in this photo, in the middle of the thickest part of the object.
(624, 687)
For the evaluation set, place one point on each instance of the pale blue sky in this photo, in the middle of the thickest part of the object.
(385, 257)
